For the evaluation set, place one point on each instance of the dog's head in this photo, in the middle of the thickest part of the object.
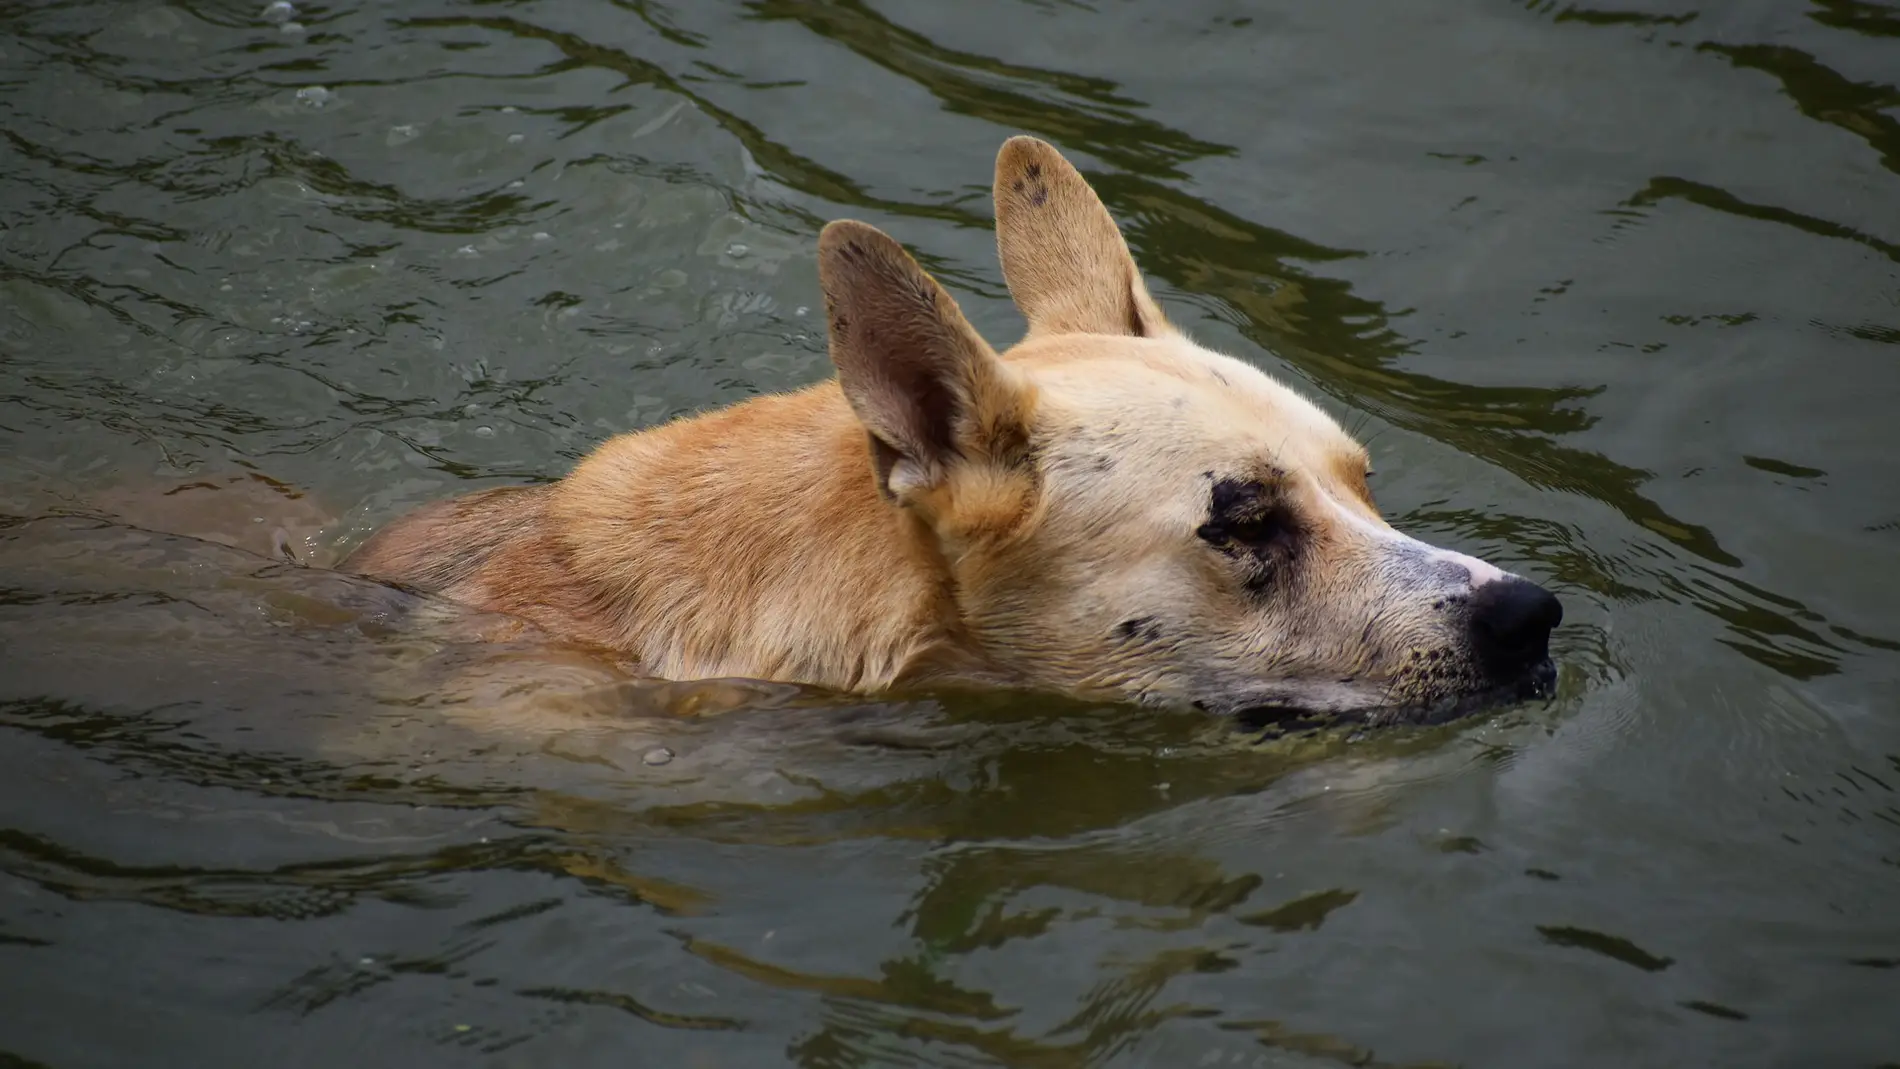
(1125, 513)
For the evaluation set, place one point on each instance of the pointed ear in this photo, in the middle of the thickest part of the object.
(1063, 256)
(924, 384)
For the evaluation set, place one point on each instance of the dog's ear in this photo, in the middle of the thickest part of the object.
(924, 384)
(1063, 256)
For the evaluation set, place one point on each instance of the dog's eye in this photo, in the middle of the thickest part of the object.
(1245, 512)
(1256, 530)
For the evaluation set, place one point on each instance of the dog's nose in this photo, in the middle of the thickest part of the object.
(1511, 621)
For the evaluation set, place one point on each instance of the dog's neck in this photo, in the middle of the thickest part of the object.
(753, 541)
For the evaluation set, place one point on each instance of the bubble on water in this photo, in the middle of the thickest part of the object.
(801, 311)
(484, 431)
(469, 410)
(516, 184)
(737, 249)
(226, 288)
(278, 11)
(509, 109)
(516, 139)
(542, 235)
(292, 28)
(401, 134)
(467, 250)
(657, 756)
(314, 96)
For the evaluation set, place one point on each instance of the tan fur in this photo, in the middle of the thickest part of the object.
(1064, 259)
(940, 512)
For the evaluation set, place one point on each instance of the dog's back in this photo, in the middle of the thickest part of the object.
(443, 547)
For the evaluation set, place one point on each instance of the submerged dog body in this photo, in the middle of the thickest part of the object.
(1106, 510)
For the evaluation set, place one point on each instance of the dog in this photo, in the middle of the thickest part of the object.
(1106, 510)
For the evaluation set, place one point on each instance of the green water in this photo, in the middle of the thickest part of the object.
(1614, 295)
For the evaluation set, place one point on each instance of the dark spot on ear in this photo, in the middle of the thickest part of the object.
(1017, 185)
(1102, 462)
(923, 291)
(1034, 170)
(1039, 196)
(1139, 629)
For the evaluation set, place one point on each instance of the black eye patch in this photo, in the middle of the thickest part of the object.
(1251, 522)
(1248, 512)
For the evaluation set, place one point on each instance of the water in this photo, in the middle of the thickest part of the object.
(1613, 293)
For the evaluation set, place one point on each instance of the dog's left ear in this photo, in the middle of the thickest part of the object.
(1064, 258)
(928, 389)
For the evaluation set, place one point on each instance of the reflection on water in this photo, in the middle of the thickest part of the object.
(1609, 291)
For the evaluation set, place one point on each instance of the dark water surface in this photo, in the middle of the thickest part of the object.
(1614, 294)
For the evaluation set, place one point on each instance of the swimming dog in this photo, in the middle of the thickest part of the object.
(1105, 510)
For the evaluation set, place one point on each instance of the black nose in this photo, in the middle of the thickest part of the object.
(1511, 621)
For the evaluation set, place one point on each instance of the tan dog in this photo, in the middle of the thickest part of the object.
(1106, 510)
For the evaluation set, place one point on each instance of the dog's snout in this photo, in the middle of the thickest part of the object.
(1511, 621)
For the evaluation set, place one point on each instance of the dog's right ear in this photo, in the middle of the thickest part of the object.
(927, 388)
